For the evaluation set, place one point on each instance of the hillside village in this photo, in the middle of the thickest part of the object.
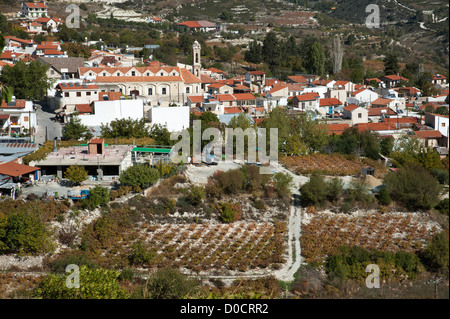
(90, 149)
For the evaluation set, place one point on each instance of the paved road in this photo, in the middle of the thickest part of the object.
(47, 126)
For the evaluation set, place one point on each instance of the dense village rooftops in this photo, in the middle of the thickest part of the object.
(321, 82)
(116, 79)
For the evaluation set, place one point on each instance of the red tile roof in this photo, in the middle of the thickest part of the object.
(337, 129)
(83, 108)
(19, 104)
(190, 24)
(196, 98)
(428, 134)
(310, 96)
(330, 102)
(395, 77)
(244, 96)
(351, 107)
(381, 101)
(297, 79)
(376, 126)
(233, 109)
(377, 111)
(14, 169)
(96, 141)
(35, 5)
(401, 120)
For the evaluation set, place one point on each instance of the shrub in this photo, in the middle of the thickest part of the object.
(259, 204)
(230, 182)
(414, 187)
(94, 284)
(383, 197)
(441, 175)
(98, 196)
(335, 189)
(139, 175)
(196, 195)
(24, 232)
(282, 183)
(229, 212)
(314, 192)
(168, 283)
(59, 264)
(443, 206)
(140, 254)
(436, 253)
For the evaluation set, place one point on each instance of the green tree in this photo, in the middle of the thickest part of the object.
(254, 52)
(386, 145)
(196, 195)
(139, 175)
(76, 174)
(282, 183)
(437, 252)
(391, 65)
(125, 128)
(74, 129)
(95, 283)
(271, 51)
(413, 186)
(315, 62)
(27, 81)
(383, 197)
(24, 233)
(98, 196)
(314, 192)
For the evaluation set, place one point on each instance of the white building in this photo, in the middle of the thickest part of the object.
(104, 112)
(438, 122)
(175, 118)
(362, 96)
(34, 9)
(18, 116)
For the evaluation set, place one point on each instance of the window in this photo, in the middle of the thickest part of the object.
(443, 124)
(133, 73)
(52, 72)
(187, 90)
(196, 89)
(359, 115)
(162, 74)
(25, 118)
(104, 74)
(150, 91)
(88, 93)
(66, 94)
(78, 94)
(164, 91)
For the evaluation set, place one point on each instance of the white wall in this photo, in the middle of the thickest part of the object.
(176, 118)
(108, 111)
(321, 90)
